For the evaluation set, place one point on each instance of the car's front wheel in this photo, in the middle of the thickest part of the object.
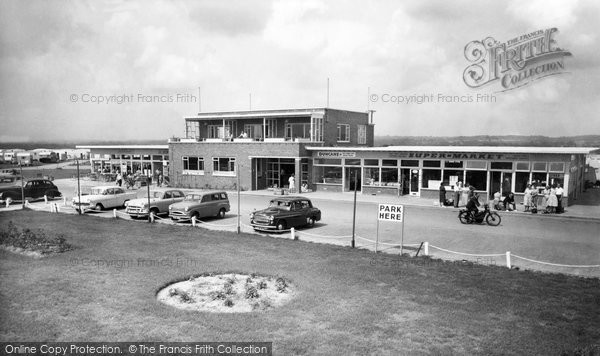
(281, 225)
(98, 207)
(221, 213)
(310, 221)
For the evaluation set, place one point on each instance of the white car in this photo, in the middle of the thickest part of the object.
(160, 199)
(103, 197)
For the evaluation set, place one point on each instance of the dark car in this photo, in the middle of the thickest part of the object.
(284, 213)
(34, 189)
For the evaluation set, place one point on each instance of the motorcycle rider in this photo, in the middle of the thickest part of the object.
(473, 203)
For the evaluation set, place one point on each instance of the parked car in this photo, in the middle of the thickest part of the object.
(284, 213)
(160, 199)
(34, 189)
(103, 197)
(200, 205)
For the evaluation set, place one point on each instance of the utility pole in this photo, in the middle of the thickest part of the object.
(22, 188)
(354, 210)
(78, 188)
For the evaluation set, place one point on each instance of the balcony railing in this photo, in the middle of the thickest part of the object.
(241, 140)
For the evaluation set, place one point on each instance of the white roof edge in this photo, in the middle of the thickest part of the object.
(255, 114)
(161, 147)
(492, 149)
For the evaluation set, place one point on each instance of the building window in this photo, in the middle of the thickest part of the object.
(193, 165)
(557, 167)
(328, 174)
(389, 163)
(453, 164)
(224, 166)
(352, 161)
(270, 128)
(501, 165)
(297, 130)
(539, 166)
(328, 161)
(371, 162)
(522, 166)
(343, 133)
(389, 176)
(409, 163)
(477, 179)
(432, 163)
(477, 164)
(362, 134)
(371, 176)
(521, 181)
(192, 129)
(432, 178)
(316, 128)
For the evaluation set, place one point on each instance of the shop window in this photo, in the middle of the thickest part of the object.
(501, 165)
(477, 164)
(137, 157)
(125, 157)
(157, 157)
(371, 162)
(557, 167)
(328, 174)
(453, 164)
(113, 156)
(521, 181)
(539, 179)
(328, 161)
(539, 166)
(427, 163)
(476, 178)
(389, 176)
(146, 157)
(389, 162)
(452, 176)
(557, 178)
(223, 166)
(352, 161)
(371, 176)
(343, 133)
(522, 166)
(432, 178)
(362, 134)
(409, 163)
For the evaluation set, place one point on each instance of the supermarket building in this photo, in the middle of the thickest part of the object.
(333, 150)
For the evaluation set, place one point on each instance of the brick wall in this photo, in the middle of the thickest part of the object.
(334, 117)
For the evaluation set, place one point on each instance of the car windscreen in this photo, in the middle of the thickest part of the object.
(193, 197)
(97, 191)
(156, 195)
(285, 205)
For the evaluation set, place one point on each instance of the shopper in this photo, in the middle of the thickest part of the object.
(442, 194)
(457, 193)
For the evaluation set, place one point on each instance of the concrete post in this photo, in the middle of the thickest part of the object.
(293, 234)
(45, 199)
(426, 246)
(151, 216)
(194, 221)
(508, 259)
(115, 213)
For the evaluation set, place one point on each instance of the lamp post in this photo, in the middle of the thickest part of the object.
(78, 189)
(148, 190)
(354, 210)
(22, 187)
(238, 196)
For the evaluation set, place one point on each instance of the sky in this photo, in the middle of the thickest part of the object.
(131, 70)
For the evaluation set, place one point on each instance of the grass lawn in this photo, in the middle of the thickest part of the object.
(347, 302)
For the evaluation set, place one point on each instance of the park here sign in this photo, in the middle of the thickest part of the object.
(390, 212)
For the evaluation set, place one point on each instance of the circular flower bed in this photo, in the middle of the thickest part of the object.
(227, 293)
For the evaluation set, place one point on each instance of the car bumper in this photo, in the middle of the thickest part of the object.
(178, 216)
(263, 227)
(82, 206)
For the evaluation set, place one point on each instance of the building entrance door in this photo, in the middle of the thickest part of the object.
(414, 182)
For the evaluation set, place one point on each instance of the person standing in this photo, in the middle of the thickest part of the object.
(552, 200)
(292, 181)
(559, 195)
(442, 194)
(527, 197)
(506, 187)
(457, 193)
(119, 178)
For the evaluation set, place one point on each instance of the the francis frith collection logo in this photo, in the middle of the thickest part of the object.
(514, 63)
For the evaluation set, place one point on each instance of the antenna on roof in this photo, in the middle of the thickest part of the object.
(327, 92)
(199, 101)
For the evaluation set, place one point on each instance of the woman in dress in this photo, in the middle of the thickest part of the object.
(552, 200)
(527, 197)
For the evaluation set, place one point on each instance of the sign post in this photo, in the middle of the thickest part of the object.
(391, 212)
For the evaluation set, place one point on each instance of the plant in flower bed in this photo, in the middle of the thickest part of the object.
(36, 241)
(222, 294)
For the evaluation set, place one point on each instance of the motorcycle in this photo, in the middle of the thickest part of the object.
(469, 217)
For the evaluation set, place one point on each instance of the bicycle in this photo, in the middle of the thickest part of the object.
(469, 217)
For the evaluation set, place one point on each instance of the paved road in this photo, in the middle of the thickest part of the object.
(543, 238)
